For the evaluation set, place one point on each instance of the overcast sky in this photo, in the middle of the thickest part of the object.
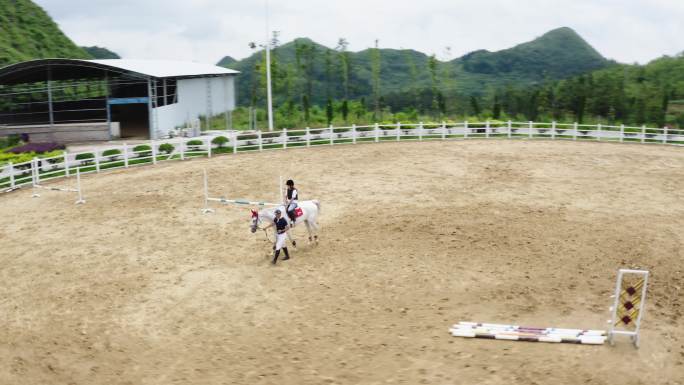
(206, 30)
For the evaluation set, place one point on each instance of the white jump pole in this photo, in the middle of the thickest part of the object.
(80, 200)
(206, 209)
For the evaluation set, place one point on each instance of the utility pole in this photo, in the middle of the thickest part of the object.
(268, 71)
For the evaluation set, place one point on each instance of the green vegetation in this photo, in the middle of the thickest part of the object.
(306, 73)
(113, 154)
(100, 53)
(220, 141)
(166, 147)
(27, 32)
(143, 150)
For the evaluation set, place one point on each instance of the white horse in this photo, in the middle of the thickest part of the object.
(310, 212)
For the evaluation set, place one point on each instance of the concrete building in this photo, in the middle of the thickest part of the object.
(67, 100)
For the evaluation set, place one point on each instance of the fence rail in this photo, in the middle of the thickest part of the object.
(14, 176)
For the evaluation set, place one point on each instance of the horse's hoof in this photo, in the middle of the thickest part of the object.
(294, 243)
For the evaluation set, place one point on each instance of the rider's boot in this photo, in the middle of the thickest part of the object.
(287, 255)
(275, 257)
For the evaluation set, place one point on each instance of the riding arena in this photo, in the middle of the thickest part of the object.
(426, 234)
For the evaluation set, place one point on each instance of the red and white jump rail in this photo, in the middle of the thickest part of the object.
(528, 334)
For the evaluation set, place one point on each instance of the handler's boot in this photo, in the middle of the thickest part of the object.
(287, 255)
(275, 257)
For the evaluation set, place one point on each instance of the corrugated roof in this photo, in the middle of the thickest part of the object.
(166, 68)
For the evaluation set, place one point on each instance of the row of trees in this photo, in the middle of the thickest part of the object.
(629, 94)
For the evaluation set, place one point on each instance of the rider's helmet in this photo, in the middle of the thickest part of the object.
(290, 182)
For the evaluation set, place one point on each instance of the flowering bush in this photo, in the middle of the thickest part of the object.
(38, 148)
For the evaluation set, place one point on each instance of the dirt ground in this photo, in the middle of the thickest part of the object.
(139, 287)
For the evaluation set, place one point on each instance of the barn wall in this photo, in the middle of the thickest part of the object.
(192, 102)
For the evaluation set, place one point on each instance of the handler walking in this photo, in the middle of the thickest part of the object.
(281, 235)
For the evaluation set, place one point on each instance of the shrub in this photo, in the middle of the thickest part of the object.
(195, 143)
(166, 147)
(85, 158)
(112, 154)
(220, 141)
(38, 148)
(143, 150)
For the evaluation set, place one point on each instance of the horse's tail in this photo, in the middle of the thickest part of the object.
(318, 205)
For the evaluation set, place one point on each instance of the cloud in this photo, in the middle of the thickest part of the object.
(206, 30)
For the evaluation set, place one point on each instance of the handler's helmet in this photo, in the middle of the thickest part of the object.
(290, 182)
(278, 211)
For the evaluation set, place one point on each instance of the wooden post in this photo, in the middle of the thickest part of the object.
(643, 134)
(181, 144)
(284, 138)
(444, 129)
(466, 129)
(209, 147)
(377, 132)
(398, 131)
(553, 130)
(487, 129)
(353, 133)
(622, 133)
(332, 135)
(154, 152)
(529, 129)
(97, 161)
(665, 135)
(420, 131)
(308, 137)
(574, 133)
(125, 154)
(598, 136)
(11, 175)
(510, 129)
(260, 137)
(66, 163)
(234, 140)
(36, 171)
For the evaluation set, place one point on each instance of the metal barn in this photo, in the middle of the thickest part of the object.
(67, 100)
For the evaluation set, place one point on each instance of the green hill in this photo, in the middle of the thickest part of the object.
(304, 67)
(27, 32)
(101, 53)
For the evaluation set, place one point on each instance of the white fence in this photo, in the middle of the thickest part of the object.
(13, 176)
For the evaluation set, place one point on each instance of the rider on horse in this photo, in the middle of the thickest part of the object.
(291, 199)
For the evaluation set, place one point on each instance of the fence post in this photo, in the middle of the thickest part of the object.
(420, 131)
(284, 138)
(261, 140)
(553, 130)
(209, 147)
(233, 139)
(66, 163)
(181, 143)
(308, 137)
(665, 135)
(622, 133)
(643, 134)
(125, 154)
(510, 129)
(97, 160)
(377, 132)
(332, 135)
(154, 152)
(487, 129)
(465, 129)
(398, 131)
(353, 133)
(529, 129)
(11, 172)
(36, 171)
(444, 130)
(574, 131)
(598, 137)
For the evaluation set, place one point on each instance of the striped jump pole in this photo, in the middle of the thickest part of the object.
(528, 334)
(222, 200)
(35, 184)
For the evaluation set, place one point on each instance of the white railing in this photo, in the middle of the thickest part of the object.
(13, 176)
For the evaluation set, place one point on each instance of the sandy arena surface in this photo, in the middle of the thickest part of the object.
(139, 287)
